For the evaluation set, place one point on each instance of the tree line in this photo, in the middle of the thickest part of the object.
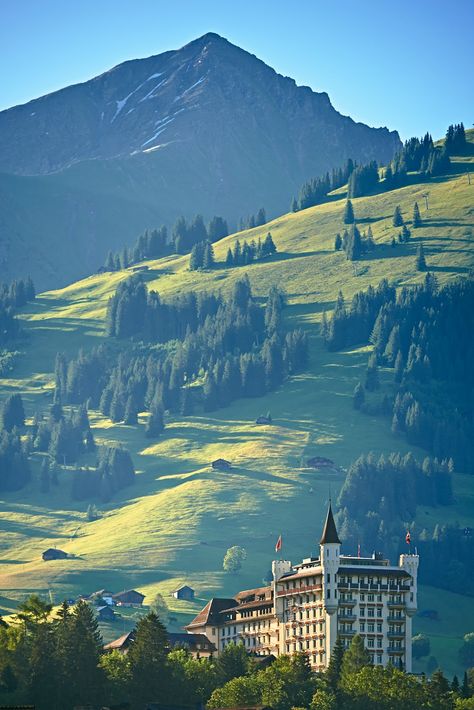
(316, 190)
(35, 667)
(426, 334)
(213, 350)
(13, 296)
(156, 243)
(63, 437)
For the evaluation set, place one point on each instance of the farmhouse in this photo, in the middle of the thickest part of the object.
(185, 592)
(308, 605)
(105, 594)
(54, 554)
(221, 465)
(198, 645)
(128, 598)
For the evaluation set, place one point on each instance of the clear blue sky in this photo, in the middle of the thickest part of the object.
(406, 64)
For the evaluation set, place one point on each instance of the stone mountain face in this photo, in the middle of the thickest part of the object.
(206, 128)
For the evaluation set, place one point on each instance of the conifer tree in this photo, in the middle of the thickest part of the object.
(397, 219)
(208, 256)
(13, 414)
(355, 658)
(147, 658)
(229, 261)
(155, 424)
(348, 213)
(261, 218)
(417, 221)
(333, 672)
(294, 205)
(338, 242)
(420, 259)
(217, 229)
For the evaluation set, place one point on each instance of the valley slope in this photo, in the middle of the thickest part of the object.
(175, 524)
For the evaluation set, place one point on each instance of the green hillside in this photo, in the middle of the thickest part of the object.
(177, 521)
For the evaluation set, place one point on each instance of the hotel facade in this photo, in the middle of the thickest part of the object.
(309, 605)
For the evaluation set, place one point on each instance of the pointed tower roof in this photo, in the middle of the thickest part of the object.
(329, 531)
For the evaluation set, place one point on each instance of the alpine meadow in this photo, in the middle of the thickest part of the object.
(273, 327)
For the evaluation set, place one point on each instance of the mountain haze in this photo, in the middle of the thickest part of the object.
(206, 128)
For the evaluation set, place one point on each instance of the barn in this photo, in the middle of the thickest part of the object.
(52, 553)
(185, 592)
(130, 597)
(221, 465)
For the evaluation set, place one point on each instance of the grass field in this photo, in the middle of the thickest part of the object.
(176, 522)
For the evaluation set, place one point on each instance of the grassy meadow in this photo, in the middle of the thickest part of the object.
(175, 524)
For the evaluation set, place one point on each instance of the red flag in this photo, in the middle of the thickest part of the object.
(408, 538)
(278, 544)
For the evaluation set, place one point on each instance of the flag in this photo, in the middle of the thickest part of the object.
(358, 550)
(408, 538)
(278, 544)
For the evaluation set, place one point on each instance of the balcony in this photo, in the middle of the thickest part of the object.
(347, 602)
(399, 651)
(396, 634)
(347, 617)
(396, 605)
(396, 619)
(346, 632)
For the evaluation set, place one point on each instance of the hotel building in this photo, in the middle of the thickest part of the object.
(310, 604)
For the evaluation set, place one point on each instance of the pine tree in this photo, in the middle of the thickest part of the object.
(155, 424)
(217, 229)
(147, 658)
(261, 218)
(333, 672)
(393, 243)
(348, 217)
(420, 259)
(131, 417)
(229, 261)
(397, 220)
(417, 221)
(13, 414)
(338, 242)
(294, 205)
(208, 256)
(355, 658)
(405, 234)
(372, 375)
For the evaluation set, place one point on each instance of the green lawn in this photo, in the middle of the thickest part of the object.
(175, 523)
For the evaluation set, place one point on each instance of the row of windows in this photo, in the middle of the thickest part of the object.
(308, 629)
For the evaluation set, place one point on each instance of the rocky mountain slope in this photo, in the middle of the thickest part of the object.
(206, 128)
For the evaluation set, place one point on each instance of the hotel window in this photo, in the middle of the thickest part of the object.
(329, 578)
(362, 626)
(362, 611)
(379, 597)
(370, 597)
(379, 611)
(370, 628)
(362, 597)
(379, 628)
(370, 643)
(371, 658)
(379, 643)
(370, 612)
(379, 659)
